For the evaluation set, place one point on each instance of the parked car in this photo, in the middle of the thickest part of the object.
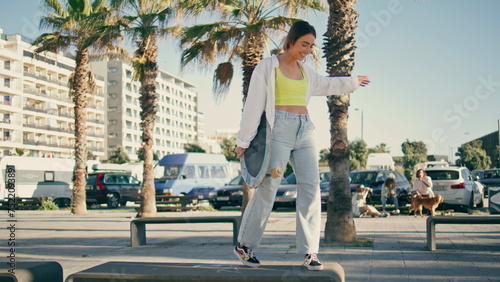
(287, 192)
(229, 195)
(202, 192)
(490, 178)
(112, 188)
(375, 179)
(232, 193)
(457, 185)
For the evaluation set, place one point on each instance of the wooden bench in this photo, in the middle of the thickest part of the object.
(433, 220)
(148, 271)
(138, 225)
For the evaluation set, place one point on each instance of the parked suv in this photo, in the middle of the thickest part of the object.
(457, 185)
(112, 188)
(375, 179)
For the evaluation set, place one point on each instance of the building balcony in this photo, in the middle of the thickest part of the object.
(33, 142)
(35, 109)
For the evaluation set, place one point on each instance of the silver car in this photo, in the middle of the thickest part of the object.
(457, 185)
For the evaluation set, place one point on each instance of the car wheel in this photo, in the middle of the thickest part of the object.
(113, 201)
(63, 202)
(217, 207)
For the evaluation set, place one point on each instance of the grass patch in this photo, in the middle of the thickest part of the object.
(360, 242)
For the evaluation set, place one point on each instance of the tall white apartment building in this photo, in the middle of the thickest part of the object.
(36, 110)
(177, 118)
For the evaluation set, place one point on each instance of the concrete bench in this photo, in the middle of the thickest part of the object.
(138, 226)
(433, 220)
(32, 271)
(137, 271)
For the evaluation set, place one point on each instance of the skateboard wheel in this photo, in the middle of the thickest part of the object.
(276, 172)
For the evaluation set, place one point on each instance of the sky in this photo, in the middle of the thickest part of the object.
(434, 68)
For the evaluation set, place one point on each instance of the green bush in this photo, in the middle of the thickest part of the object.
(48, 205)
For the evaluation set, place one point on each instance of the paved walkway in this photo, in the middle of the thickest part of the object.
(399, 253)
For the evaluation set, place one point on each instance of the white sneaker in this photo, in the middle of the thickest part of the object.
(397, 211)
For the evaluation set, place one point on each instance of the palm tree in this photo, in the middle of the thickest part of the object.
(242, 35)
(339, 52)
(146, 21)
(75, 26)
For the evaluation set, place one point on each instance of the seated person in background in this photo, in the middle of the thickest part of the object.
(359, 206)
(422, 186)
(389, 191)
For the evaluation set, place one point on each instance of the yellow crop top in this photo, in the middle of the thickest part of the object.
(290, 92)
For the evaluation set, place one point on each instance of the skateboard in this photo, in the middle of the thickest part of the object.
(256, 158)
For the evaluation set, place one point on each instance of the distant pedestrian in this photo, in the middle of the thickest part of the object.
(389, 192)
(359, 206)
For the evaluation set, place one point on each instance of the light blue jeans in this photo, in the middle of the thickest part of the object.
(292, 139)
(383, 199)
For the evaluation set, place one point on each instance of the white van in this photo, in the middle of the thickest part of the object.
(379, 161)
(32, 179)
(183, 172)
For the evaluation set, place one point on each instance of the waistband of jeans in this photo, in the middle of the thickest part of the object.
(289, 115)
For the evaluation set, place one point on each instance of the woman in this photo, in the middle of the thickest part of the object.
(359, 206)
(422, 186)
(281, 87)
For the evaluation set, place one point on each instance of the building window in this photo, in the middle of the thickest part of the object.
(112, 82)
(112, 109)
(113, 95)
(112, 69)
(6, 82)
(6, 65)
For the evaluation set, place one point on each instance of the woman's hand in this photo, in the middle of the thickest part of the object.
(363, 80)
(239, 152)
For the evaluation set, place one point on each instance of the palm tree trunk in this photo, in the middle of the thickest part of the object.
(339, 51)
(254, 46)
(78, 84)
(148, 51)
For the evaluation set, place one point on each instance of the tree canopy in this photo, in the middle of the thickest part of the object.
(473, 156)
(414, 153)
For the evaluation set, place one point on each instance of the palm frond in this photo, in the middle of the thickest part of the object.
(223, 75)
(53, 42)
(54, 6)
(292, 7)
(98, 5)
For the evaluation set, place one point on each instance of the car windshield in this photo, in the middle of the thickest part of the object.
(443, 174)
(172, 171)
(238, 180)
(363, 177)
(491, 174)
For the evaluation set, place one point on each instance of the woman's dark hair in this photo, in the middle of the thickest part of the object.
(423, 172)
(389, 181)
(297, 30)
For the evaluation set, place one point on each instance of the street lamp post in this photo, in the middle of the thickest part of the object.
(360, 110)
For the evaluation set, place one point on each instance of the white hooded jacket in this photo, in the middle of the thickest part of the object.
(261, 94)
